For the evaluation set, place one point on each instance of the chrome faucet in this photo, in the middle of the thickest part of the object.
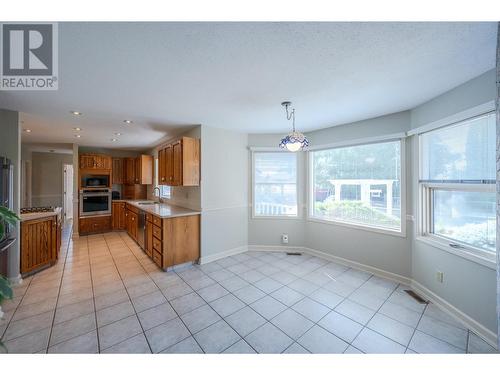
(154, 190)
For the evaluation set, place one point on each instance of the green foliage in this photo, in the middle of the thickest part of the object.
(354, 211)
(6, 217)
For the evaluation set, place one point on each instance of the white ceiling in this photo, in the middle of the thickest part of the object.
(165, 76)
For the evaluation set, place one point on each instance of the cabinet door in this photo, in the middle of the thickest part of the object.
(161, 167)
(38, 243)
(133, 224)
(130, 171)
(115, 215)
(87, 162)
(177, 164)
(137, 169)
(128, 224)
(106, 162)
(117, 171)
(122, 217)
(169, 165)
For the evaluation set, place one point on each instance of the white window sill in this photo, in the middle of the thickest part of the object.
(277, 217)
(367, 228)
(487, 260)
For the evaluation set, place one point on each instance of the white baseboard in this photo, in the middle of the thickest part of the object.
(16, 280)
(212, 258)
(489, 336)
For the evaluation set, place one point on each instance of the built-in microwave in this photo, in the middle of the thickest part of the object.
(95, 181)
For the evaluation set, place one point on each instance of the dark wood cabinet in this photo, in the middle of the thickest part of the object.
(129, 171)
(117, 171)
(132, 218)
(94, 224)
(118, 218)
(179, 163)
(39, 243)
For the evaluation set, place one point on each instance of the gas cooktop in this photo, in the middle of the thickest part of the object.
(31, 210)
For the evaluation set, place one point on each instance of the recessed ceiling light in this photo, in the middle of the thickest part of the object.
(76, 113)
(113, 139)
(77, 129)
(128, 121)
(77, 135)
(27, 130)
(118, 134)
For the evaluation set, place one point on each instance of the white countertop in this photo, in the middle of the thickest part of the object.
(40, 215)
(162, 210)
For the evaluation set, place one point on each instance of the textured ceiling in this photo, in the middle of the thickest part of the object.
(165, 76)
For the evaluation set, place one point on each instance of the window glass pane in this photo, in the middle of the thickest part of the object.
(275, 186)
(467, 217)
(465, 151)
(359, 184)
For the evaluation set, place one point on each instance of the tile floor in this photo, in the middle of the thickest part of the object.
(106, 296)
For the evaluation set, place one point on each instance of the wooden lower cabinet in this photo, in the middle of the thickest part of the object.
(131, 225)
(94, 224)
(118, 218)
(39, 243)
(173, 241)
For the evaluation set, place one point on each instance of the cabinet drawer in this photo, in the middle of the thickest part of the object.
(132, 208)
(157, 258)
(156, 221)
(149, 217)
(157, 244)
(157, 232)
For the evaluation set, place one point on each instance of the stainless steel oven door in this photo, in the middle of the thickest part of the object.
(96, 202)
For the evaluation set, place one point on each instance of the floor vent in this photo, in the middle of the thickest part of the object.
(293, 253)
(416, 296)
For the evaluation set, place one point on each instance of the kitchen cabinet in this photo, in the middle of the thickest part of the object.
(132, 218)
(95, 162)
(94, 224)
(117, 171)
(179, 163)
(39, 243)
(118, 218)
(144, 170)
(172, 241)
(129, 171)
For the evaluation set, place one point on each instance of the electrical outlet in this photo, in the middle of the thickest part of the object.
(284, 238)
(439, 276)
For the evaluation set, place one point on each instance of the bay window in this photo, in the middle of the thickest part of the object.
(358, 185)
(457, 185)
(274, 184)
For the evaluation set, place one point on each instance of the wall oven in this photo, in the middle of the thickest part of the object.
(95, 202)
(95, 181)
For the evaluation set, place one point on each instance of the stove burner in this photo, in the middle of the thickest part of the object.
(30, 210)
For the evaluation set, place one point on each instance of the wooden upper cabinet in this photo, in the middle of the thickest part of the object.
(129, 170)
(144, 170)
(91, 161)
(179, 163)
(117, 171)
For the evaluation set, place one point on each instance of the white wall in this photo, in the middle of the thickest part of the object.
(467, 285)
(224, 191)
(10, 147)
(47, 178)
(387, 252)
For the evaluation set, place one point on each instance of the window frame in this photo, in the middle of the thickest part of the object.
(370, 228)
(425, 204)
(298, 216)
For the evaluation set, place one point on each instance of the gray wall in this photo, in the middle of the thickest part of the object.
(10, 147)
(224, 190)
(387, 252)
(467, 285)
(47, 178)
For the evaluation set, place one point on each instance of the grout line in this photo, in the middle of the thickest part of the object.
(93, 296)
(59, 291)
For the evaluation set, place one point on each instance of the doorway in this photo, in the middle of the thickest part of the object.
(68, 191)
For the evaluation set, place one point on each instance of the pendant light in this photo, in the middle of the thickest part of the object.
(295, 140)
